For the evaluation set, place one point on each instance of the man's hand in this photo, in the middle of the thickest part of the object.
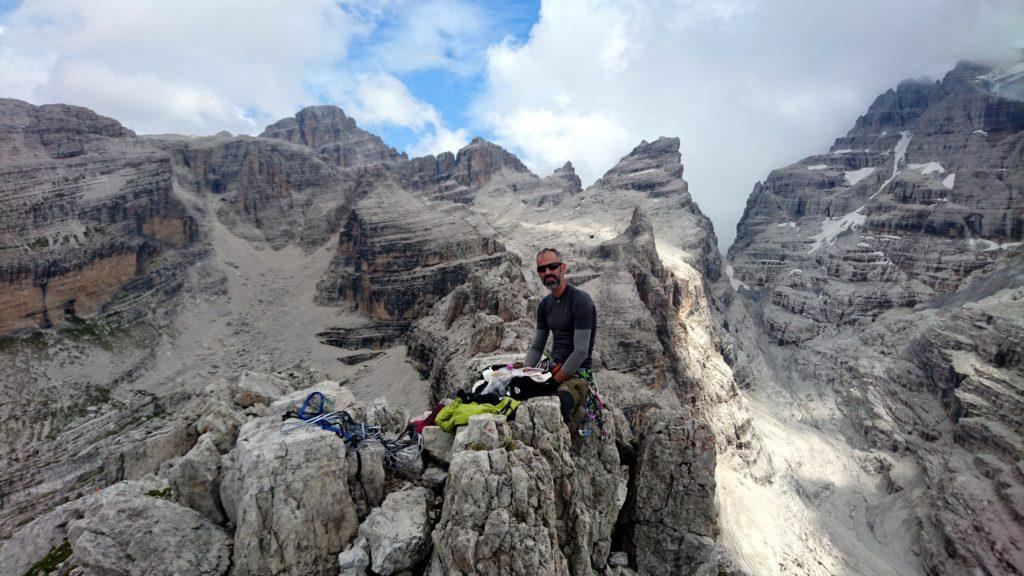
(559, 375)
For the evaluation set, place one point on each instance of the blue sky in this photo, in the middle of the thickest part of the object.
(747, 85)
(450, 91)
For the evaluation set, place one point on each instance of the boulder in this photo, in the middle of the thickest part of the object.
(437, 443)
(366, 477)
(178, 540)
(289, 493)
(398, 533)
(256, 388)
(482, 432)
(220, 419)
(33, 541)
(355, 560)
(335, 391)
(195, 479)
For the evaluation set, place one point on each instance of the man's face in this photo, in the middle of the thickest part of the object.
(550, 278)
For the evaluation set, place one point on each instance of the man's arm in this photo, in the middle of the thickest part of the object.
(540, 339)
(580, 348)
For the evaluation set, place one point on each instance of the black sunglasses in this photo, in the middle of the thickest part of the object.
(552, 266)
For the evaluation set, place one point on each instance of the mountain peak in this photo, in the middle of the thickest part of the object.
(330, 132)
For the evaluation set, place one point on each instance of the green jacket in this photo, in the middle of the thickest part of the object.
(458, 412)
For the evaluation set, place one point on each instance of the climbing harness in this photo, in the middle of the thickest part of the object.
(593, 407)
(316, 411)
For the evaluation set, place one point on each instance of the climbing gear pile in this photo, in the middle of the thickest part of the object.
(316, 410)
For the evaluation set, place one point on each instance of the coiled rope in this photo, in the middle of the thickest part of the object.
(399, 452)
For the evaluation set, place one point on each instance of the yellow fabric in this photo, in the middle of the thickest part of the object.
(458, 412)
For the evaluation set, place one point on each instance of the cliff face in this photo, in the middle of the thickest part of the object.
(89, 218)
(269, 192)
(888, 272)
(922, 192)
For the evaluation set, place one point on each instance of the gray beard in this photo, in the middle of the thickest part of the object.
(552, 283)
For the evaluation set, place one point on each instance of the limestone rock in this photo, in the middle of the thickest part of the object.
(355, 560)
(254, 388)
(673, 514)
(482, 432)
(220, 420)
(270, 193)
(487, 336)
(585, 477)
(458, 177)
(396, 257)
(498, 516)
(888, 272)
(87, 210)
(195, 479)
(178, 540)
(33, 541)
(398, 533)
(366, 477)
(293, 510)
(438, 444)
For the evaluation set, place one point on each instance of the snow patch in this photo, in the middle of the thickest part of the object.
(843, 151)
(948, 181)
(854, 176)
(833, 227)
(790, 224)
(983, 245)
(736, 284)
(982, 132)
(927, 168)
(818, 167)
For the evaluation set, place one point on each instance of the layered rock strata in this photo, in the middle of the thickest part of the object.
(887, 274)
(90, 224)
(923, 191)
(397, 256)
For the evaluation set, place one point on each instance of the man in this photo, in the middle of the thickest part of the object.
(569, 313)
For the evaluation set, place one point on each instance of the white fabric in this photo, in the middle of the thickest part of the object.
(496, 381)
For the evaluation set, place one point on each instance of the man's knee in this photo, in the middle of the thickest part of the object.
(572, 394)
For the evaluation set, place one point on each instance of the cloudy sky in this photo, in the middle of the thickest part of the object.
(748, 85)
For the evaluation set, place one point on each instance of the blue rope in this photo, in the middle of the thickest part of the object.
(356, 433)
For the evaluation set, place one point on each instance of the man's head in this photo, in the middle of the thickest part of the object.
(550, 268)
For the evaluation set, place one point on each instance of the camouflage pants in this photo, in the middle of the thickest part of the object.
(578, 389)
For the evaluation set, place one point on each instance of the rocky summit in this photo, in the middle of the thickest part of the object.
(842, 395)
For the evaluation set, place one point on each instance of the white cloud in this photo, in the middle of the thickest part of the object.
(198, 67)
(440, 34)
(747, 85)
(383, 99)
(184, 66)
(379, 99)
(594, 141)
(440, 140)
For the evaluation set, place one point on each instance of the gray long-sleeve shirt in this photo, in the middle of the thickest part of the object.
(572, 318)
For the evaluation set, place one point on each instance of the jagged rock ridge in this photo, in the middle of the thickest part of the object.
(888, 273)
